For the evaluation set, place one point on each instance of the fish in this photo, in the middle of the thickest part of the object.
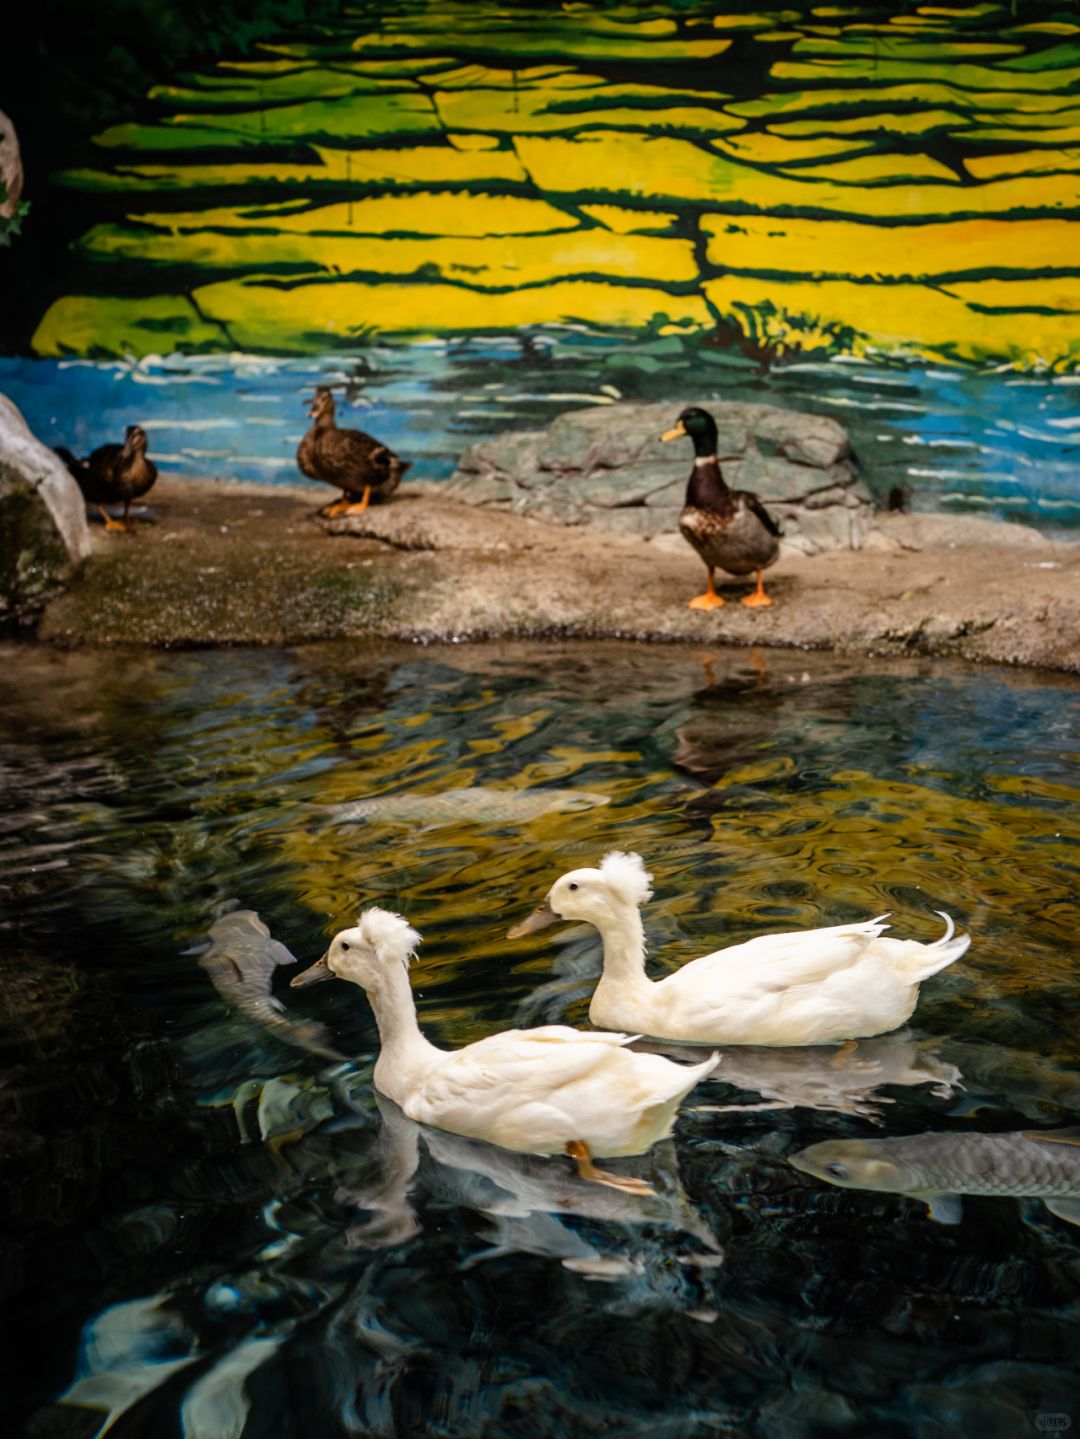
(241, 961)
(478, 804)
(939, 1169)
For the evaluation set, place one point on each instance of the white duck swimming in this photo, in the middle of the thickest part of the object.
(817, 986)
(551, 1090)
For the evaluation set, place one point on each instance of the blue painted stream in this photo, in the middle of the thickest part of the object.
(998, 443)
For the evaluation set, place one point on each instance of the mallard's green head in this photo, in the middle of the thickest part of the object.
(700, 426)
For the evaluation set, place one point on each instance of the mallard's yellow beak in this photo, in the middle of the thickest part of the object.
(541, 917)
(319, 970)
(676, 432)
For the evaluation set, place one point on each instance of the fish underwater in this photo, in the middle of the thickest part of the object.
(478, 804)
(241, 961)
(939, 1169)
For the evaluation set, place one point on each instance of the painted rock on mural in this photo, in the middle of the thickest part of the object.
(606, 467)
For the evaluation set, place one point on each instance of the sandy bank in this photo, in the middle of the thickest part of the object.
(231, 564)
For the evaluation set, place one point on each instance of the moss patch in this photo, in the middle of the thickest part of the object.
(33, 560)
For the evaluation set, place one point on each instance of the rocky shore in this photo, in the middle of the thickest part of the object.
(231, 564)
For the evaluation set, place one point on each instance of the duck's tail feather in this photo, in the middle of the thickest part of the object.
(932, 958)
(75, 465)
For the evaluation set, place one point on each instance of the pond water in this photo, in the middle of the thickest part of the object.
(211, 1228)
(996, 442)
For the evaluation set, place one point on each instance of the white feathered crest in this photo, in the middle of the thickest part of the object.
(389, 935)
(627, 876)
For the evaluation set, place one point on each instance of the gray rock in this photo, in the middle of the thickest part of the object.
(635, 520)
(43, 531)
(606, 467)
(420, 522)
(11, 171)
(495, 491)
(513, 453)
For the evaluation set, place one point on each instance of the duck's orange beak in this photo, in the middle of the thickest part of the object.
(676, 432)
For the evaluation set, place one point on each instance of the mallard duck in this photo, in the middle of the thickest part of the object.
(114, 474)
(815, 986)
(354, 462)
(551, 1090)
(730, 529)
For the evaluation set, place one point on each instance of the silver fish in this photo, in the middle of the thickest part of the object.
(939, 1168)
(241, 962)
(479, 804)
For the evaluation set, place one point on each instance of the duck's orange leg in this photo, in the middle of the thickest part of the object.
(117, 526)
(361, 505)
(578, 1150)
(337, 508)
(759, 597)
(710, 600)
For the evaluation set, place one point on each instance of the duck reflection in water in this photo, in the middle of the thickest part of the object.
(843, 1079)
(939, 1169)
(530, 1202)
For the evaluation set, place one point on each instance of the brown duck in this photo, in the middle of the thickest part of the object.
(730, 529)
(360, 466)
(114, 474)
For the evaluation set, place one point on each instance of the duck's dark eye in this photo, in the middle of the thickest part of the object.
(573, 886)
(836, 1170)
(344, 944)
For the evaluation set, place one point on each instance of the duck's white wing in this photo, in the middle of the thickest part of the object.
(518, 1065)
(530, 1089)
(774, 962)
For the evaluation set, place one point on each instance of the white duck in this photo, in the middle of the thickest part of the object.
(552, 1090)
(817, 986)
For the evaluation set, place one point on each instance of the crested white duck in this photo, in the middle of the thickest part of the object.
(816, 986)
(551, 1090)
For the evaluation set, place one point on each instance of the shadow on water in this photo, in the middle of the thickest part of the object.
(212, 1228)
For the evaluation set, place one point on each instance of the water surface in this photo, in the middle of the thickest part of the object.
(210, 1230)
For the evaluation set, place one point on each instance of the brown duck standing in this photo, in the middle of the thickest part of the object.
(114, 474)
(360, 466)
(730, 529)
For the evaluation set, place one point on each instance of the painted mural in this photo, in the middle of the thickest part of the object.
(858, 180)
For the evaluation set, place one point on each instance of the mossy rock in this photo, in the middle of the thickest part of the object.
(34, 562)
(43, 533)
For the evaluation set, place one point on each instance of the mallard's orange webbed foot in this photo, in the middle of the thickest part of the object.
(710, 600)
(578, 1151)
(759, 598)
(361, 505)
(116, 526)
(337, 508)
